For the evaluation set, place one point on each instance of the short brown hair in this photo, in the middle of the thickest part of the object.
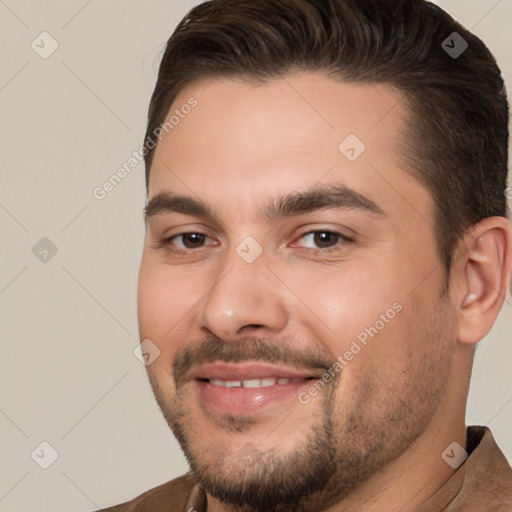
(457, 143)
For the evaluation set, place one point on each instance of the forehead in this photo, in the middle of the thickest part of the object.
(245, 140)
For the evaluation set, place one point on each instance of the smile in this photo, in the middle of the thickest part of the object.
(249, 388)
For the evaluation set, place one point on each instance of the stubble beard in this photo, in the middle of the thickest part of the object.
(329, 462)
(357, 432)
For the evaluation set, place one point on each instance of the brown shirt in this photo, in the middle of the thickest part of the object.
(482, 484)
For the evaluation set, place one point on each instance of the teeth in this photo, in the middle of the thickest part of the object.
(233, 384)
(253, 383)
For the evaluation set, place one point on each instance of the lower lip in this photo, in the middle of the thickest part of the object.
(246, 401)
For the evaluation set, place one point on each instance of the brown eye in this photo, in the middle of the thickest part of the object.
(322, 239)
(325, 239)
(191, 240)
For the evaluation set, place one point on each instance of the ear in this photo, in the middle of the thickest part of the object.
(484, 270)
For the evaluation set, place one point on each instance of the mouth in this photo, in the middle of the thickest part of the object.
(246, 389)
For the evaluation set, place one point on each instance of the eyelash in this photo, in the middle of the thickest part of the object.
(180, 252)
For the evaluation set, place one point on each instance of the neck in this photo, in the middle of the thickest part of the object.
(409, 481)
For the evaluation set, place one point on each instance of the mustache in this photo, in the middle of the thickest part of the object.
(214, 349)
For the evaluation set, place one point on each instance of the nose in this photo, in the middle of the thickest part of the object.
(243, 297)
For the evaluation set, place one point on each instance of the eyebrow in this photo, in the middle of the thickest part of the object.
(295, 203)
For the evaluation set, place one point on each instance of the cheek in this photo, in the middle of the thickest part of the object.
(165, 304)
(402, 353)
(349, 304)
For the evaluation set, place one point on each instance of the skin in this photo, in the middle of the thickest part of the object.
(373, 437)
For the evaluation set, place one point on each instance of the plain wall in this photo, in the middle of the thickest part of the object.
(69, 325)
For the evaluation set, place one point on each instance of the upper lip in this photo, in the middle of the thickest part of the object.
(248, 371)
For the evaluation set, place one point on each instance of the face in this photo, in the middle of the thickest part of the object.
(291, 283)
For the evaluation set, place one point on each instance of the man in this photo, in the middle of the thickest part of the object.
(327, 241)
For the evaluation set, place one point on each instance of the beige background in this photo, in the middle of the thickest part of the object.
(69, 326)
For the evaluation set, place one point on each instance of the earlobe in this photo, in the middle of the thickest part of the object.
(486, 273)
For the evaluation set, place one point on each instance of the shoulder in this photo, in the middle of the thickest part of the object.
(168, 497)
(488, 474)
